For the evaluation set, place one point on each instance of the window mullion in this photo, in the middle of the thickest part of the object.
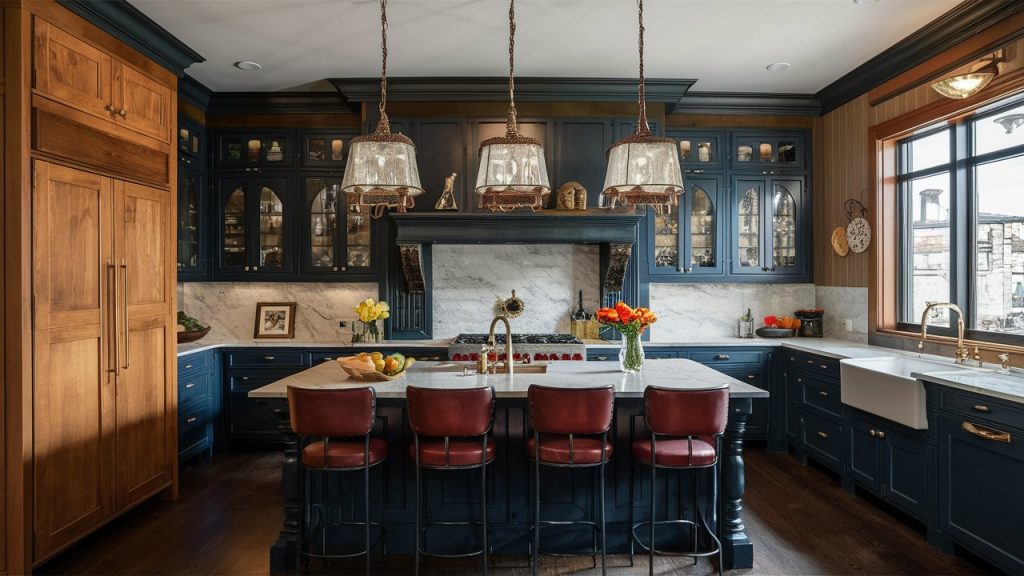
(962, 261)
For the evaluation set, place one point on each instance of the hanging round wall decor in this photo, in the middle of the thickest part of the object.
(858, 235)
(839, 243)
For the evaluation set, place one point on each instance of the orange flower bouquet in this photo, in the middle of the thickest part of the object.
(631, 322)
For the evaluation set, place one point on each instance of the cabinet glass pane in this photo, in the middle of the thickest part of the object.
(271, 229)
(273, 150)
(188, 242)
(234, 229)
(184, 140)
(705, 151)
(702, 229)
(764, 152)
(744, 153)
(750, 228)
(787, 152)
(323, 221)
(784, 226)
(357, 233)
(666, 240)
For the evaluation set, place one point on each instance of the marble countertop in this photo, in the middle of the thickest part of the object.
(206, 344)
(1006, 386)
(683, 374)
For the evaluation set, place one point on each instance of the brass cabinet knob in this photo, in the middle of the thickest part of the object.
(246, 268)
(881, 434)
(873, 432)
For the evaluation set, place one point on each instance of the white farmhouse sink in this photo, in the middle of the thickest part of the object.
(884, 386)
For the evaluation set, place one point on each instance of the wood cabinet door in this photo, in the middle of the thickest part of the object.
(144, 248)
(146, 443)
(74, 348)
(71, 70)
(141, 103)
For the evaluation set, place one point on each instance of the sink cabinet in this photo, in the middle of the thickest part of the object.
(813, 415)
(980, 466)
(887, 460)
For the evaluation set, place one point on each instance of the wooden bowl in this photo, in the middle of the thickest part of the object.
(360, 374)
(184, 337)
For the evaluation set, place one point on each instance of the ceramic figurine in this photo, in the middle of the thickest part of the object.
(447, 199)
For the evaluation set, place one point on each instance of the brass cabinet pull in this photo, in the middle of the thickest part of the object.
(993, 435)
(268, 358)
(799, 379)
(751, 376)
(981, 408)
(881, 434)
(245, 377)
(822, 393)
(191, 419)
(823, 434)
(721, 356)
(112, 318)
(122, 113)
(824, 366)
(190, 385)
(246, 268)
(810, 361)
(127, 335)
(187, 366)
(873, 432)
(327, 359)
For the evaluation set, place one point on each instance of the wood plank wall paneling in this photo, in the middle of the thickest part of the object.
(3, 381)
(841, 167)
(737, 121)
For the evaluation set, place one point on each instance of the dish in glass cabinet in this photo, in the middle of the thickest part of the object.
(744, 153)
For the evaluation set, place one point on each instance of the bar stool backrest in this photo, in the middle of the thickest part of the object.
(332, 413)
(555, 410)
(677, 412)
(450, 412)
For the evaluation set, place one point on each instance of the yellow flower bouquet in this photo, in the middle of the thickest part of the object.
(368, 327)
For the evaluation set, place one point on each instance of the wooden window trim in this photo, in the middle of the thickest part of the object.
(883, 273)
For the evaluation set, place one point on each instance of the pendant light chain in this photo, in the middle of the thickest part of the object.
(642, 127)
(511, 128)
(383, 125)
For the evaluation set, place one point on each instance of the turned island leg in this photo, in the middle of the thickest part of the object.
(738, 551)
(282, 553)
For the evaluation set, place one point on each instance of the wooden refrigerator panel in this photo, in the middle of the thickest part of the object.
(144, 244)
(142, 103)
(71, 70)
(145, 417)
(73, 401)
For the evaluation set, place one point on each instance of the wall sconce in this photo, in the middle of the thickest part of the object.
(966, 85)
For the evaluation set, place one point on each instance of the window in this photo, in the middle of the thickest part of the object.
(961, 223)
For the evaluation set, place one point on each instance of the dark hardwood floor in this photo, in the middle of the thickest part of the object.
(229, 513)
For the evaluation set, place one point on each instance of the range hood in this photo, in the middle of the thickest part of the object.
(615, 229)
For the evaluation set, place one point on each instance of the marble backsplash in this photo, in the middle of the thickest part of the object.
(694, 312)
(230, 307)
(468, 278)
(844, 303)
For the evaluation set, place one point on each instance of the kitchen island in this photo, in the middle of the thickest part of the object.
(451, 495)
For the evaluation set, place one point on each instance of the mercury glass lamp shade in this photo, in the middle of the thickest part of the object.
(964, 85)
(642, 165)
(383, 162)
(512, 164)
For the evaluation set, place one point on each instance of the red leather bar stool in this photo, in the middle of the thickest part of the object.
(570, 430)
(334, 428)
(686, 428)
(451, 431)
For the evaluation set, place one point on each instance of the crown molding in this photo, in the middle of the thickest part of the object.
(194, 92)
(960, 23)
(488, 89)
(129, 25)
(752, 103)
(279, 103)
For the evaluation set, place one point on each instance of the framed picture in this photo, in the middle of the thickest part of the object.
(275, 320)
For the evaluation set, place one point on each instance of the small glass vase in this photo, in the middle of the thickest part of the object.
(366, 332)
(631, 354)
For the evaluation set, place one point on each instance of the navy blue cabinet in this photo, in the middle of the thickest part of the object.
(441, 149)
(768, 152)
(770, 221)
(980, 466)
(257, 420)
(700, 150)
(689, 242)
(198, 404)
(254, 150)
(194, 222)
(325, 149)
(888, 460)
(255, 218)
(582, 144)
(337, 240)
(813, 417)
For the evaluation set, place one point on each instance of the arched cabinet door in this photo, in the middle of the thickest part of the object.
(770, 227)
(336, 239)
(255, 227)
(688, 242)
(234, 225)
(785, 253)
(748, 226)
(271, 244)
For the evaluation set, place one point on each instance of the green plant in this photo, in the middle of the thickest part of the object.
(190, 323)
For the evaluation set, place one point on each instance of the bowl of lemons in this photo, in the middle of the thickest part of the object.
(375, 366)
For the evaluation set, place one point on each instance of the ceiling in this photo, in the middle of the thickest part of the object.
(724, 44)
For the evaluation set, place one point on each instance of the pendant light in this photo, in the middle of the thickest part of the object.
(966, 85)
(381, 169)
(512, 173)
(643, 169)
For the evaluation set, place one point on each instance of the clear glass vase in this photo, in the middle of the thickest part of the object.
(631, 354)
(367, 332)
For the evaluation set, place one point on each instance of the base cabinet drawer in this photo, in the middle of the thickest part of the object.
(256, 419)
(981, 502)
(822, 440)
(195, 431)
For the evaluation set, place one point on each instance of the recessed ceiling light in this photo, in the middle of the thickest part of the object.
(248, 66)
(777, 66)
(864, 1)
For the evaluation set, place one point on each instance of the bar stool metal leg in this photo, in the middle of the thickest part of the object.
(536, 513)
(366, 501)
(483, 502)
(419, 506)
(654, 467)
(604, 535)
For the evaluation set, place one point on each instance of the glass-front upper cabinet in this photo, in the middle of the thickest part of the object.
(254, 150)
(699, 150)
(254, 221)
(326, 149)
(768, 152)
(192, 223)
(191, 142)
(337, 238)
(689, 241)
(768, 226)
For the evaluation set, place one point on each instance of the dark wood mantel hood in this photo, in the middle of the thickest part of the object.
(615, 230)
